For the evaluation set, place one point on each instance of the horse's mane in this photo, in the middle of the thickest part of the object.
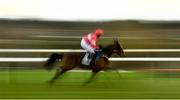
(106, 49)
(110, 45)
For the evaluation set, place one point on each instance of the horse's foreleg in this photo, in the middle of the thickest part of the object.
(92, 77)
(118, 73)
(58, 73)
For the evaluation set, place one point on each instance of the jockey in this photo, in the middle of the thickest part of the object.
(89, 43)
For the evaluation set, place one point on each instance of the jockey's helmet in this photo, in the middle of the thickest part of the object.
(99, 32)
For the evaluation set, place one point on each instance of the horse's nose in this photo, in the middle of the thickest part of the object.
(123, 54)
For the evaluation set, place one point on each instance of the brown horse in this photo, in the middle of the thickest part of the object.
(73, 60)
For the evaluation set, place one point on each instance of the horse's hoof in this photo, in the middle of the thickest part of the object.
(85, 83)
(49, 83)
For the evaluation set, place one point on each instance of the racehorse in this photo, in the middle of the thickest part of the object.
(73, 60)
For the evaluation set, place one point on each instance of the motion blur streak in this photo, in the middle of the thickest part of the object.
(80, 50)
(150, 69)
(14, 59)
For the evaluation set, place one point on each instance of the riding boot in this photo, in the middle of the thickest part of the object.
(93, 58)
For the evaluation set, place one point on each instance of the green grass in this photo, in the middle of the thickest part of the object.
(32, 84)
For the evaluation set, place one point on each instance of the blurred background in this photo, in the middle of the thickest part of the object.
(146, 29)
(133, 35)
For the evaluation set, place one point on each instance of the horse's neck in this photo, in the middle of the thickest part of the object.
(108, 50)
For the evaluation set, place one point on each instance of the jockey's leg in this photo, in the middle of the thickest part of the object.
(93, 59)
(89, 49)
(92, 56)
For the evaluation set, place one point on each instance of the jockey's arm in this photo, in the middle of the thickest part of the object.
(94, 45)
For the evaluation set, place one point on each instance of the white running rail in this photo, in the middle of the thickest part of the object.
(156, 59)
(80, 50)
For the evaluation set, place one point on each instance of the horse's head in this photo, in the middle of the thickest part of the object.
(118, 48)
(113, 48)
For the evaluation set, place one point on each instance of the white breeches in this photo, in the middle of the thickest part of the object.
(87, 46)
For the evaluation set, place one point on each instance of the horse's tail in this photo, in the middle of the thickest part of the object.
(52, 59)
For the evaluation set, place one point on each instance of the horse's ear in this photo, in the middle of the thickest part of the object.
(116, 39)
(113, 38)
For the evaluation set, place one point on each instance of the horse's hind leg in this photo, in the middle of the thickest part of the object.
(58, 73)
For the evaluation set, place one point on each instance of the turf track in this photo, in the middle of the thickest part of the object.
(32, 84)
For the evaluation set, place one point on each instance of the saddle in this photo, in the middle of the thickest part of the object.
(90, 58)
